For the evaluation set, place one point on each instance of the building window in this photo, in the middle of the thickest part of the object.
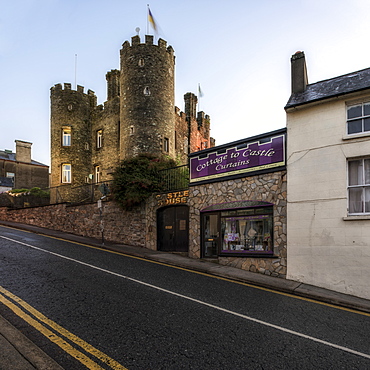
(131, 130)
(358, 118)
(99, 139)
(97, 173)
(66, 136)
(66, 173)
(11, 175)
(141, 62)
(238, 232)
(146, 91)
(359, 186)
(166, 145)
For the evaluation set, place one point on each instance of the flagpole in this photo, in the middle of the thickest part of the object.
(199, 97)
(147, 20)
(76, 71)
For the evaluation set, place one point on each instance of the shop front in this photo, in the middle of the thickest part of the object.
(237, 199)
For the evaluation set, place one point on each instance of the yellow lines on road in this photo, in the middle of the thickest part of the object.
(56, 333)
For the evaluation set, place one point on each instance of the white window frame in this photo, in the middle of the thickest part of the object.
(365, 116)
(358, 186)
(97, 174)
(66, 173)
(166, 145)
(99, 139)
(66, 136)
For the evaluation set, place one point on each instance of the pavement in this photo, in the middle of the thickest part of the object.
(22, 354)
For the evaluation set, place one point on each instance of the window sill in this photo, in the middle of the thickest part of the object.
(357, 218)
(356, 136)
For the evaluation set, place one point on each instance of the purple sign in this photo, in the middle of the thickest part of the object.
(246, 157)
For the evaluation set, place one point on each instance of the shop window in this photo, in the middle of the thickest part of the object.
(359, 186)
(66, 136)
(66, 173)
(358, 118)
(238, 232)
(246, 233)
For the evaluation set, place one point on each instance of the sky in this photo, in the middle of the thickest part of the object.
(237, 50)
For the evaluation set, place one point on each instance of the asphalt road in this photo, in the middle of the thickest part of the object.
(87, 307)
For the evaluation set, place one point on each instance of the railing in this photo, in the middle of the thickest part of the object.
(172, 179)
(87, 193)
(176, 178)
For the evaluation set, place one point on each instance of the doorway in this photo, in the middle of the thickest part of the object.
(173, 229)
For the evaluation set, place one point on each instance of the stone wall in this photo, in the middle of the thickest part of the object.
(268, 188)
(119, 226)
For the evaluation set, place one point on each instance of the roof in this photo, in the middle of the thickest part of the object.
(352, 82)
(8, 155)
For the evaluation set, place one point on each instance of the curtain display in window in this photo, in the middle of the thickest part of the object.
(248, 233)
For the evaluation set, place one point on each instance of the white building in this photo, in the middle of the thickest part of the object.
(328, 187)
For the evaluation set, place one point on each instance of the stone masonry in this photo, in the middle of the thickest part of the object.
(270, 188)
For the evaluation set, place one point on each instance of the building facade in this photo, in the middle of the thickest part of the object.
(18, 170)
(328, 167)
(88, 141)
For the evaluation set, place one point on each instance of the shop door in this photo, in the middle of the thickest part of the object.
(211, 234)
(172, 226)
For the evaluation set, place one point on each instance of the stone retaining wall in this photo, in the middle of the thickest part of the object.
(119, 226)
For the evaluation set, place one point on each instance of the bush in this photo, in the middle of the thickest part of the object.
(137, 178)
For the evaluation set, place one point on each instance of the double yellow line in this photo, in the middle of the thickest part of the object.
(56, 333)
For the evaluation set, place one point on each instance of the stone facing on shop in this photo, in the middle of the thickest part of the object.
(268, 188)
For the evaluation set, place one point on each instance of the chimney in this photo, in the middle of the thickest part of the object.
(299, 72)
(23, 151)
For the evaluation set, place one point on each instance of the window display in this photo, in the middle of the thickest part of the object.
(238, 231)
(248, 233)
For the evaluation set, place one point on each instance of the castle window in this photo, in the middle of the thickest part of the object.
(99, 139)
(166, 145)
(146, 91)
(97, 173)
(131, 130)
(66, 173)
(141, 62)
(66, 136)
(86, 146)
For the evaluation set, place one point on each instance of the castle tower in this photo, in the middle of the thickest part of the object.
(147, 98)
(70, 128)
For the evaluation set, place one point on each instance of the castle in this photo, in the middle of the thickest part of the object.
(88, 141)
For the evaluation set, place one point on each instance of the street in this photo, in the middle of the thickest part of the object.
(92, 308)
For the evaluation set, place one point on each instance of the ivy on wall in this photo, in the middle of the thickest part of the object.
(137, 178)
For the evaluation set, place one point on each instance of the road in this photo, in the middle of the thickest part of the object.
(92, 308)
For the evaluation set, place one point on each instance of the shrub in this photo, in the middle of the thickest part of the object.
(137, 178)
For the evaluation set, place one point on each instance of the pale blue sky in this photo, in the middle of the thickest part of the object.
(238, 50)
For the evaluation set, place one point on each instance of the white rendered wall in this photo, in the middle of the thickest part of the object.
(324, 247)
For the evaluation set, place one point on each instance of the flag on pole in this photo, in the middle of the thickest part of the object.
(200, 92)
(151, 20)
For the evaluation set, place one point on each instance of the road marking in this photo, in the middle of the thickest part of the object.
(90, 364)
(202, 273)
(249, 318)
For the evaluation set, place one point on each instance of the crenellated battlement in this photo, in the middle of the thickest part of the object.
(149, 40)
(68, 87)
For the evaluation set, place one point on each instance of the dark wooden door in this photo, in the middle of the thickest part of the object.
(173, 229)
